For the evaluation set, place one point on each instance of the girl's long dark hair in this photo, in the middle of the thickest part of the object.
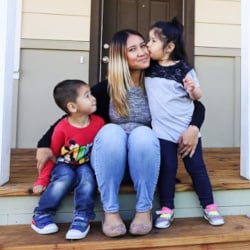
(172, 32)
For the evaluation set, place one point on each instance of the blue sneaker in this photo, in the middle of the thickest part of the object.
(78, 229)
(44, 224)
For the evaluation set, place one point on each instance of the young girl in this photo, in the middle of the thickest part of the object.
(172, 85)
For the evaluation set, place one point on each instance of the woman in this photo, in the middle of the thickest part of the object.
(126, 148)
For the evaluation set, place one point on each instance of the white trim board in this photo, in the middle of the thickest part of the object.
(245, 89)
(8, 14)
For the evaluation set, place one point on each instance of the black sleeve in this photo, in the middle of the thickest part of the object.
(100, 92)
(198, 115)
(45, 141)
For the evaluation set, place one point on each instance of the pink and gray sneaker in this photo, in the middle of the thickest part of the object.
(165, 218)
(212, 215)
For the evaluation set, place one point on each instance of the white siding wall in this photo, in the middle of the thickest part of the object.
(217, 23)
(56, 20)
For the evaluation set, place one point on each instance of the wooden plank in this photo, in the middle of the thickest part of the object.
(188, 233)
(223, 166)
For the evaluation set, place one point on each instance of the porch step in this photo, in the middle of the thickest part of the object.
(231, 191)
(188, 233)
(223, 165)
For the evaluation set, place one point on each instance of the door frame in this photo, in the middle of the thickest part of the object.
(96, 35)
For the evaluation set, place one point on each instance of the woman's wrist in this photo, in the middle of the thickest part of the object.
(194, 127)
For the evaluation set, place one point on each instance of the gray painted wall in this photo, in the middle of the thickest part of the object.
(41, 69)
(219, 74)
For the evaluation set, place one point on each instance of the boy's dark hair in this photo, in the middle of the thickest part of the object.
(172, 32)
(67, 91)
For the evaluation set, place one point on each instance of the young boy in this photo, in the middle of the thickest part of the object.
(71, 144)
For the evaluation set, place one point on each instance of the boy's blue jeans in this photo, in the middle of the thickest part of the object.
(115, 153)
(64, 179)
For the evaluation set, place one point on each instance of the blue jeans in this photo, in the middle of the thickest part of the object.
(115, 151)
(195, 167)
(64, 179)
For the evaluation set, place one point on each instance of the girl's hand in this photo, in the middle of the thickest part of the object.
(189, 84)
(188, 141)
(42, 156)
(194, 92)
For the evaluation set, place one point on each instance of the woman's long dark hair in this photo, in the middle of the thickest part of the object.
(119, 76)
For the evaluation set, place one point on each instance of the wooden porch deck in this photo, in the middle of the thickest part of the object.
(184, 234)
(223, 166)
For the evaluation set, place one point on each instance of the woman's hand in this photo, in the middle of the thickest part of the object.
(42, 156)
(38, 189)
(188, 141)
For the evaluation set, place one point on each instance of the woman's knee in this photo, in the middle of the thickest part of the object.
(111, 138)
(143, 137)
(144, 150)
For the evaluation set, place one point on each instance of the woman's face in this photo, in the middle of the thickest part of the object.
(137, 53)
